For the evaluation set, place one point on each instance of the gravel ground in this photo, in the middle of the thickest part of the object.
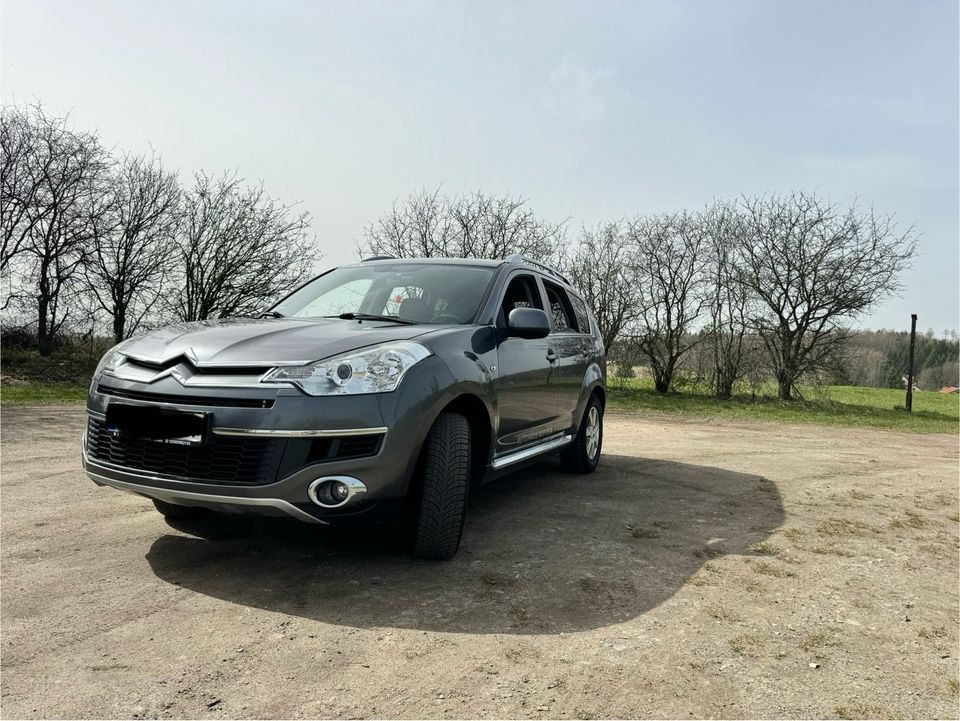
(706, 569)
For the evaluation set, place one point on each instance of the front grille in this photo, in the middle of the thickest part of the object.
(218, 401)
(222, 460)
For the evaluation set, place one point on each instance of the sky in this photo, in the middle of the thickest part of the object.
(589, 110)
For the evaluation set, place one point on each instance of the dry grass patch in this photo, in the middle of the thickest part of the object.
(794, 535)
(842, 527)
(859, 710)
(766, 568)
(817, 640)
(935, 632)
(724, 615)
(945, 499)
(707, 552)
(771, 549)
(497, 580)
(913, 520)
(830, 551)
(746, 643)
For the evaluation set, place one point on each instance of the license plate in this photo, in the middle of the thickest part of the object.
(154, 423)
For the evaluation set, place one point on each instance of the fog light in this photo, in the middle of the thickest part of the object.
(339, 491)
(336, 491)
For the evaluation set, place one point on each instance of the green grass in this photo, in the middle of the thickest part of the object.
(830, 405)
(42, 394)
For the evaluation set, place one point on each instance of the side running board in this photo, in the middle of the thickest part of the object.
(549, 444)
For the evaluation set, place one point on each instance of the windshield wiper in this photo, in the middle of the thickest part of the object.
(371, 316)
(271, 314)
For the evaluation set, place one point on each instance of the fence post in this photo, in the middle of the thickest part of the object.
(913, 343)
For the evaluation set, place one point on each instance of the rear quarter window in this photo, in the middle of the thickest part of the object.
(580, 311)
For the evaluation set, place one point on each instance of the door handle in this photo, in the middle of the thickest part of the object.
(551, 355)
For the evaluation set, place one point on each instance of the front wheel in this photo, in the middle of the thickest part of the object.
(583, 454)
(444, 479)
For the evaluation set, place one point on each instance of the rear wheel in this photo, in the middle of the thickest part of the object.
(444, 480)
(583, 455)
(172, 510)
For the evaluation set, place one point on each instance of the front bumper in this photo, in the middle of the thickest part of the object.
(289, 419)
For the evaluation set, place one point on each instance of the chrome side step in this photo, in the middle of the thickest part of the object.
(548, 445)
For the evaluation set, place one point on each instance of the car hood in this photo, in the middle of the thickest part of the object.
(266, 342)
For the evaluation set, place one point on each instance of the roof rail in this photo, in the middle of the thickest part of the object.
(379, 257)
(549, 269)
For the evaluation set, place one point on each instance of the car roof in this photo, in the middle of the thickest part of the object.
(513, 260)
(483, 262)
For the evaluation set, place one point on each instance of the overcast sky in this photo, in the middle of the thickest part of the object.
(590, 110)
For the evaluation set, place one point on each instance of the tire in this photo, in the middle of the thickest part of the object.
(583, 454)
(444, 481)
(172, 510)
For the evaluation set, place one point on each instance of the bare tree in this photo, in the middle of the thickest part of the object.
(669, 257)
(428, 225)
(813, 267)
(21, 178)
(131, 253)
(728, 298)
(238, 248)
(598, 266)
(56, 198)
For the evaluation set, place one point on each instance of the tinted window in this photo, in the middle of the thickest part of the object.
(560, 309)
(522, 292)
(427, 293)
(580, 311)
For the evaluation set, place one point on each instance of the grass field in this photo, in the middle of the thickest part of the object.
(42, 394)
(829, 405)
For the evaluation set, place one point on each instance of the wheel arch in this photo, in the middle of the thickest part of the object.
(475, 410)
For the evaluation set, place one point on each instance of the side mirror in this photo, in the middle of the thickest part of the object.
(527, 323)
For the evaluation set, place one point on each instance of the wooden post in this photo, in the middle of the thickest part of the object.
(913, 343)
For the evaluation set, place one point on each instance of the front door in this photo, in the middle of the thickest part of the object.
(526, 392)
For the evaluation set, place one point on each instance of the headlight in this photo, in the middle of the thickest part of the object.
(111, 360)
(375, 370)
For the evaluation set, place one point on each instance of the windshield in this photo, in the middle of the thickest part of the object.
(423, 293)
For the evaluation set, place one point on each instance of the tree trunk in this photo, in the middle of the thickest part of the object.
(785, 386)
(662, 378)
(119, 324)
(44, 341)
(723, 388)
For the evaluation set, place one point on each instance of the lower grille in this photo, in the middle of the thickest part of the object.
(222, 460)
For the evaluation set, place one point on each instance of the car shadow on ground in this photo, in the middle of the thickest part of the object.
(544, 551)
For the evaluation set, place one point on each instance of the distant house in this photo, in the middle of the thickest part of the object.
(950, 389)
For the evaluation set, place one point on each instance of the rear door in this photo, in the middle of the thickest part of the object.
(571, 346)
(526, 393)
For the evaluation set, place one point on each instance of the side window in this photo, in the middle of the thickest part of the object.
(580, 311)
(560, 309)
(521, 292)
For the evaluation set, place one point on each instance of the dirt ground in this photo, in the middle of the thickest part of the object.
(707, 569)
